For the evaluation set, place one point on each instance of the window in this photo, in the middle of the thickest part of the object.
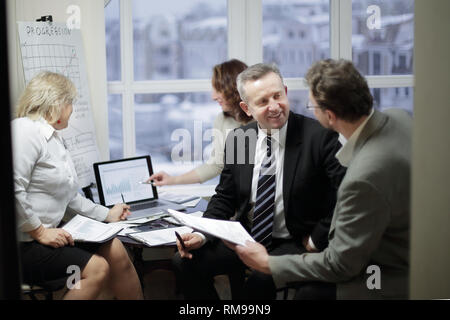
(164, 120)
(309, 19)
(376, 63)
(393, 98)
(187, 37)
(384, 31)
(115, 126)
(298, 99)
(167, 46)
(112, 34)
(160, 55)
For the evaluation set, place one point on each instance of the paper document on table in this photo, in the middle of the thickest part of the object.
(128, 223)
(85, 229)
(124, 232)
(177, 198)
(192, 204)
(172, 220)
(231, 231)
(159, 237)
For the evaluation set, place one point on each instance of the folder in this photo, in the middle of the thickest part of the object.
(84, 229)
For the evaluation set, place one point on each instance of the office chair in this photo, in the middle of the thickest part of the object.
(47, 288)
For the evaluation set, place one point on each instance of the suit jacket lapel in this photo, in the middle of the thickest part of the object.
(291, 156)
(247, 170)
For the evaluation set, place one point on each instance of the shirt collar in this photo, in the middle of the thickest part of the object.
(278, 135)
(345, 154)
(45, 128)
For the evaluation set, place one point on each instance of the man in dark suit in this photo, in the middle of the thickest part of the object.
(279, 180)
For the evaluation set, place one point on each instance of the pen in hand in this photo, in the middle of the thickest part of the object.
(125, 208)
(147, 182)
(181, 240)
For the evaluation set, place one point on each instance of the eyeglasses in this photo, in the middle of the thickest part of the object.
(311, 107)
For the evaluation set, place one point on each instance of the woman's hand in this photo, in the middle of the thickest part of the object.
(161, 179)
(53, 237)
(119, 212)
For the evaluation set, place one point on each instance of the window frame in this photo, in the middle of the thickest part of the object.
(247, 46)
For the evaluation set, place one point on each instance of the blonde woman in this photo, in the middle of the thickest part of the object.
(46, 185)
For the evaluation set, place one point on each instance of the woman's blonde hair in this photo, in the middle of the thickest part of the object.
(46, 95)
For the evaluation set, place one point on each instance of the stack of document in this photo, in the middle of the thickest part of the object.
(159, 237)
(231, 231)
(84, 229)
(172, 220)
(129, 225)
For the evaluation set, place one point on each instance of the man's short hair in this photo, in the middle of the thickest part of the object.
(253, 73)
(336, 85)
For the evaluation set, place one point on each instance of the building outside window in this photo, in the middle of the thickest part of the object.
(160, 56)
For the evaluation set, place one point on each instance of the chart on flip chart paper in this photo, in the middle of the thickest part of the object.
(54, 47)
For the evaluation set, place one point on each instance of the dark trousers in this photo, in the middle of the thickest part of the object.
(315, 290)
(195, 276)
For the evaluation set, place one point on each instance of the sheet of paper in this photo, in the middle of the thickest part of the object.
(231, 231)
(159, 237)
(177, 198)
(124, 225)
(192, 204)
(86, 229)
(175, 221)
(128, 223)
(198, 190)
(124, 232)
(196, 214)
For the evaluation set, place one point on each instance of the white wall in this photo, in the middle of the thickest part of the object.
(93, 36)
(430, 222)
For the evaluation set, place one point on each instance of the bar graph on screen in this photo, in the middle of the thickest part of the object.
(123, 186)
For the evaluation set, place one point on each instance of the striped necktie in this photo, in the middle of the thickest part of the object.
(265, 199)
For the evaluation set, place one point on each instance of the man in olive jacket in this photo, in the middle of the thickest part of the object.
(368, 252)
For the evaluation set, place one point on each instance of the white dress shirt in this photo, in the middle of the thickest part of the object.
(45, 180)
(214, 165)
(278, 147)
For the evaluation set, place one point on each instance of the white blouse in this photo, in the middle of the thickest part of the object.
(45, 180)
(213, 167)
